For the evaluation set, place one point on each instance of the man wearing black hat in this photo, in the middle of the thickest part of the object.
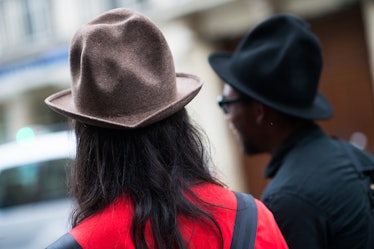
(271, 99)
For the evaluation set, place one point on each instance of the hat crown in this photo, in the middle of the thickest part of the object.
(123, 74)
(121, 65)
(281, 60)
(278, 63)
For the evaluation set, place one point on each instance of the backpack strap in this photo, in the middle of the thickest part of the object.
(244, 235)
(65, 242)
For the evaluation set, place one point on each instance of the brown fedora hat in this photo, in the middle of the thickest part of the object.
(123, 74)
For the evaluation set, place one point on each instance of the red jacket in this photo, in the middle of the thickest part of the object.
(111, 228)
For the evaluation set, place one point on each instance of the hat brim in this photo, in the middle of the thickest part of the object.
(320, 110)
(187, 85)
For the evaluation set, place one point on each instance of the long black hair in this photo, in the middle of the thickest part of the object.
(155, 166)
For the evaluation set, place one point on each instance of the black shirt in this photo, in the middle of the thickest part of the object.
(316, 195)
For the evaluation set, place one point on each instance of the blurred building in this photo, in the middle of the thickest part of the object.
(35, 34)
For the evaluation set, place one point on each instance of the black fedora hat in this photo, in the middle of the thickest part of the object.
(278, 63)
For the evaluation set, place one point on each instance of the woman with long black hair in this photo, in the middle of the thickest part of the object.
(141, 178)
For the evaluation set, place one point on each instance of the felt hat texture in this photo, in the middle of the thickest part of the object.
(278, 63)
(123, 74)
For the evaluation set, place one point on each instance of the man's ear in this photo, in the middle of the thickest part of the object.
(259, 112)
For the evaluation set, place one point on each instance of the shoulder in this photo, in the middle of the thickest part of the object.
(216, 194)
(288, 204)
(107, 228)
(314, 169)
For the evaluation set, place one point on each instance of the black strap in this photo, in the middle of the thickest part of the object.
(65, 242)
(244, 235)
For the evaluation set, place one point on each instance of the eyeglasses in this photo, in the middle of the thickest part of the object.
(224, 103)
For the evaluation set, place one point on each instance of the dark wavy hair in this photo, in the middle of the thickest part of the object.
(155, 165)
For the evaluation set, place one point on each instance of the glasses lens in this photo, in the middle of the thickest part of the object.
(223, 103)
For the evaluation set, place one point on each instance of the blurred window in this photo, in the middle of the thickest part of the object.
(35, 182)
(22, 21)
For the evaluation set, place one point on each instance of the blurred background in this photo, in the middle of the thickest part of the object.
(35, 35)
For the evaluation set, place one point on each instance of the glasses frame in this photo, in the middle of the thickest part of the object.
(224, 103)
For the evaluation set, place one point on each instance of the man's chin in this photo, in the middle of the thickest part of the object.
(251, 150)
